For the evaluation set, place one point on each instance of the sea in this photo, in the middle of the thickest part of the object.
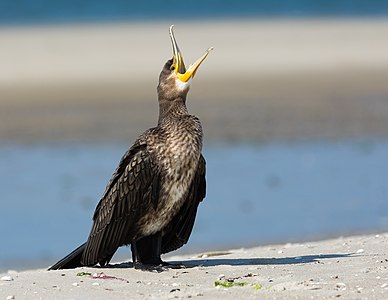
(273, 192)
(23, 12)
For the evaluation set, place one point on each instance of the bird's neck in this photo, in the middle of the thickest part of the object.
(172, 109)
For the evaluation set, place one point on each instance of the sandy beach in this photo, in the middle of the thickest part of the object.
(264, 80)
(346, 268)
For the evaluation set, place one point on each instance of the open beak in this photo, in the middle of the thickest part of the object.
(178, 64)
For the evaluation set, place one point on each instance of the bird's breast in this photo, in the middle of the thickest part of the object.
(178, 158)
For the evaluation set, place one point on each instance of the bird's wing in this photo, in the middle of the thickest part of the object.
(133, 186)
(179, 229)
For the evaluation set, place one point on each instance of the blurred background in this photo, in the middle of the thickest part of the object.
(293, 101)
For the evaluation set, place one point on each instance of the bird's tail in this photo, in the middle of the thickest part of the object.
(71, 261)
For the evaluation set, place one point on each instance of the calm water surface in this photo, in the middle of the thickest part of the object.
(256, 194)
(48, 11)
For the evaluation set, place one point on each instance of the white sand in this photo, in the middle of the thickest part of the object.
(350, 268)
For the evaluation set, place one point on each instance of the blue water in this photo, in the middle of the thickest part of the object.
(256, 194)
(42, 11)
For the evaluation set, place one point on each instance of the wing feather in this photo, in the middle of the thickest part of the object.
(121, 205)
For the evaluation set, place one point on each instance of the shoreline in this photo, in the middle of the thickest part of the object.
(348, 267)
(320, 106)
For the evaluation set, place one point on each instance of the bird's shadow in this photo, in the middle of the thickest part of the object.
(305, 259)
(292, 260)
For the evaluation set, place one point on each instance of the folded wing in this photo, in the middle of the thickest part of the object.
(132, 189)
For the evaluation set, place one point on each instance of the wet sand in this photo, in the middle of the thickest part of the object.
(264, 80)
(346, 268)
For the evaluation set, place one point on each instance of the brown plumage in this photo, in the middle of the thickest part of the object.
(152, 198)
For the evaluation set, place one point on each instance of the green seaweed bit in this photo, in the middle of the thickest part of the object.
(84, 274)
(228, 284)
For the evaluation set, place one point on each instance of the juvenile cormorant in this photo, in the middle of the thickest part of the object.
(152, 198)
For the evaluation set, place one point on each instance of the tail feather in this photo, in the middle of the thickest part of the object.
(71, 261)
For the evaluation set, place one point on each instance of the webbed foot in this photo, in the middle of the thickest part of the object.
(156, 268)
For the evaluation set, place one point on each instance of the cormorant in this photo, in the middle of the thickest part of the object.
(152, 198)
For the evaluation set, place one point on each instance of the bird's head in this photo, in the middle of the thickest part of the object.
(175, 79)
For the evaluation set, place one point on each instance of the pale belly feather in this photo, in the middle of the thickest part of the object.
(180, 170)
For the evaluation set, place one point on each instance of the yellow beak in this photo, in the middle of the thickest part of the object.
(178, 64)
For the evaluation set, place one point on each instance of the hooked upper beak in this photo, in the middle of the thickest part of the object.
(178, 64)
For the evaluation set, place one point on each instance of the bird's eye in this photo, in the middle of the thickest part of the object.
(172, 67)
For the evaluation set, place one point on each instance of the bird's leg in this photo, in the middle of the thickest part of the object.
(135, 256)
(146, 253)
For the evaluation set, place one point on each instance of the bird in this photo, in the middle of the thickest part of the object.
(151, 201)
